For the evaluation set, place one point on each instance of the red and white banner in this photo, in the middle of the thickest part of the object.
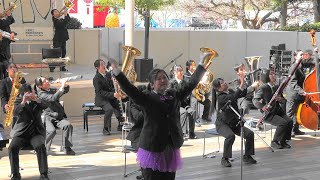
(74, 9)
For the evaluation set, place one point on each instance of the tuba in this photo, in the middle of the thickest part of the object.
(13, 95)
(205, 84)
(253, 65)
(127, 64)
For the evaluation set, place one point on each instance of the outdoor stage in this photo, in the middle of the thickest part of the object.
(99, 157)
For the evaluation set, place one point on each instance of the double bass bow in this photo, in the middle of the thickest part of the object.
(308, 111)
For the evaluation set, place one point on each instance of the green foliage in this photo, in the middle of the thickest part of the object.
(143, 5)
(304, 28)
(74, 23)
(111, 3)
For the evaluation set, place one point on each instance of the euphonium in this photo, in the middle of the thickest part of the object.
(127, 65)
(205, 84)
(13, 95)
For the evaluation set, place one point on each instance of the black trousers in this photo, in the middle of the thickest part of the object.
(63, 46)
(293, 101)
(149, 174)
(51, 126)
(284, 126)
(109, 108)
(37, 142)
(229, 134)
(3, 68)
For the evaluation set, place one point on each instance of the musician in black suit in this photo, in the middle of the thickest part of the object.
(190, 68)
(5, 53)
(54, 115)
(27, 130)
(6, 85)
(308, 62)
(187, 113)
(136, 116)
(295, 93)
(106, 97)
(276, 115)
(227, 122)
(61, 35)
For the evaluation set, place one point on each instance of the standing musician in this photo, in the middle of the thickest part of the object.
(106, 97)
(161, 137)
(295, 93)
(6, 86)
(277, 116)
(135, 116)
(186, 112)
(5, 53)
(308, 62)
(227, 122)
(244, 103)
(61, 35)
(54, 115)
(27, 130)
(190, 68)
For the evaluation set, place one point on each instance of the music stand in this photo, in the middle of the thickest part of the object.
(241, 123)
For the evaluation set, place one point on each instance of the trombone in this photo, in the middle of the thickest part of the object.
(12, 6)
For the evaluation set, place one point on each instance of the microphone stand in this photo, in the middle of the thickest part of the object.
(172, 61)
(241, 123)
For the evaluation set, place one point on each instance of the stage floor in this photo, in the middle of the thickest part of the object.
(99, 157)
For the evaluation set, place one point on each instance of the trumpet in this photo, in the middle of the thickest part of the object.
(67, 4)
(12, 6)
(67, 79)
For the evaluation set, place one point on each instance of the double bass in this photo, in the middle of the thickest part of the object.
(308, 111)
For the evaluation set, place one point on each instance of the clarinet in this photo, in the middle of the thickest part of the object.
(118, 90)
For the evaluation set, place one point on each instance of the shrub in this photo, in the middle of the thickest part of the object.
(74, 23)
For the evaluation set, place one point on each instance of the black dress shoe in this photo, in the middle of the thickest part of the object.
(225, 162)
(192, 136)
(106, 132)
(249, 160)
(16, 177)
(276, 145)
(298, 132)
(69, 151)
(44, 176)
(285, 145)
(63, 69)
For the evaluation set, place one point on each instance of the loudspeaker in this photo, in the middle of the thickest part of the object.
(143, 68)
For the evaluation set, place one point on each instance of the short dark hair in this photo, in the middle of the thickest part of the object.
(96, 63)
(216, 83)
(309, 51)
(153, 76)
(237, 66)
(265, 75)
(188, 63)
(11, 63)
(52, 11)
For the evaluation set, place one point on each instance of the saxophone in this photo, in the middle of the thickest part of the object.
(13, 95)
(205, 84)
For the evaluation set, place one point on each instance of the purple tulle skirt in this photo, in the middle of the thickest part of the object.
(167, 161)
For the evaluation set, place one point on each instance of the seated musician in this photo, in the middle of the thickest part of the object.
(186, 112)
(54, 115)
(295, 93)
(276, 115)
(244, 103)
(106, 97)
(190, 68)
(308, 62)
(6, 85)
(136, 116)
(227, 122)
(27, 130)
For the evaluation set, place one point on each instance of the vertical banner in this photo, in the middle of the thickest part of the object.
(74, 9)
